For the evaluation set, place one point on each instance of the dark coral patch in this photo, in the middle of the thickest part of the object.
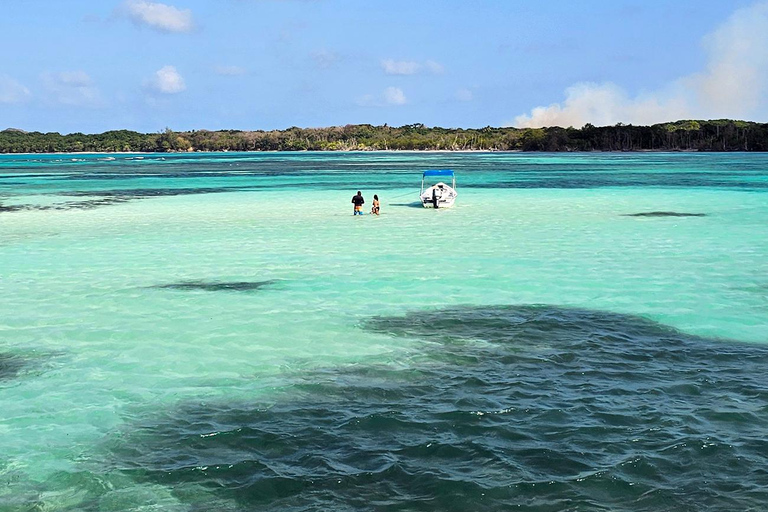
(504, 405)
(157, 192)
(665, 214)
(10, 208)
(10, 365)
(14, 365)
(65, 205)
(217, 286)
(110, 197)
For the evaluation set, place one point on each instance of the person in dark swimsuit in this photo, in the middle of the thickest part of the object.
(358, 201)
(375, 209)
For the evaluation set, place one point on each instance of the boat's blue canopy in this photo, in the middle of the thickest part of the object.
(438, 172)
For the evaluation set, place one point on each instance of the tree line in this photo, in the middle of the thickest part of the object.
(689, 135)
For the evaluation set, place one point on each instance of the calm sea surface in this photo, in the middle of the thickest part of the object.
(209, 332)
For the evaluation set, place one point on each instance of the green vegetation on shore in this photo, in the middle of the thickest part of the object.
(715, 135)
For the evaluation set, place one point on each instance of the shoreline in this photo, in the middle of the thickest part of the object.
(363, 151)
(284, 151)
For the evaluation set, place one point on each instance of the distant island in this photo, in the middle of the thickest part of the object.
(690, 135)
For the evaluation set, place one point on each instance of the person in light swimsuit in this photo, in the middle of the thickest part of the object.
(375, 209)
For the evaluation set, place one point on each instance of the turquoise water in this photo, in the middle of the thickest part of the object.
(218, 332)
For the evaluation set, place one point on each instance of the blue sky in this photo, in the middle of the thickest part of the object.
(91, 66)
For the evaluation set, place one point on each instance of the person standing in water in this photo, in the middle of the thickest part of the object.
(358, 201)
(375, 209)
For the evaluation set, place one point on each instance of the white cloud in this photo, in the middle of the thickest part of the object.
(325, 58)
(166, 80)
(394, 96)
(391, 96)
(464, 95)
(434, 67)
(74, 78)
(229, 70)
(162, 17)
(73, 88)
(735, 81)
(606, 104)
(12, 91)
(401, 67)
(733, 85)
(409, 67)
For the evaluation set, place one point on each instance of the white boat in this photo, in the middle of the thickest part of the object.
(438, 195)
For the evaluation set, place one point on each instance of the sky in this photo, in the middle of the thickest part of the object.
(96, 65)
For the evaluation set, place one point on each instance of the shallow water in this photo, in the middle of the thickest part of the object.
(199, 332)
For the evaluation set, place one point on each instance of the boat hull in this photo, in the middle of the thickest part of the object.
(440, 204)
(438, 196)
